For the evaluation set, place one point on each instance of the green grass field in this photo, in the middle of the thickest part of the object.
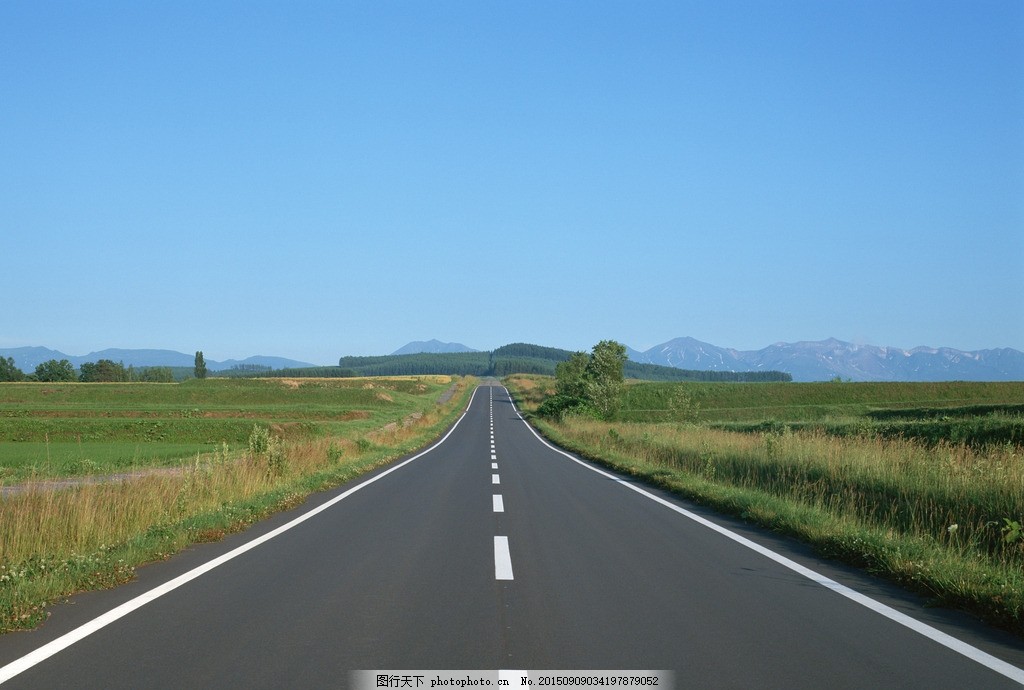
(752, 404)
(52, 430)
(968, 412)
(799, 402)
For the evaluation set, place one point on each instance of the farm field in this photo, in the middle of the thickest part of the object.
(737, 401)
(920, 483)
(973, 413)
(205, 457)
(59, 430)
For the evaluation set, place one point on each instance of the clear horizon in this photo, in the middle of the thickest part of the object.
(210, 358)
(321, 180)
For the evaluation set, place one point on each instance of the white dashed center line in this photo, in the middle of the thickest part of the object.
(502, 559)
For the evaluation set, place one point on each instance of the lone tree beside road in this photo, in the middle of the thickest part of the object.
(603, 376)
(589, 384)
(571, 376)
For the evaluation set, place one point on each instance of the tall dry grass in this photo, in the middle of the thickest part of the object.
(955, 494)
(943, 520)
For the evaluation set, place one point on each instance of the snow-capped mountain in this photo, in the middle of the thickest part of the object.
(827, 359)
(689, 353)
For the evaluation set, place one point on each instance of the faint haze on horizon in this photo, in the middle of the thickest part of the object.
(332, 179)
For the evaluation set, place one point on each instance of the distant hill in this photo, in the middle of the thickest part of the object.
(517, 358)
(28, 358)
(431, 346)
(257, 360)
(827, 359)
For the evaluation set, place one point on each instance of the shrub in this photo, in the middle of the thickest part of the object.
(557, 406)
(259, 440)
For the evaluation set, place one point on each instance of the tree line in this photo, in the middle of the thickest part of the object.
(524, 358)
(102, 371)
(517, 358)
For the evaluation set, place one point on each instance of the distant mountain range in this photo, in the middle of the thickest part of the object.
(818, 360)
(827, 359)
(27, 358)
(805, 361)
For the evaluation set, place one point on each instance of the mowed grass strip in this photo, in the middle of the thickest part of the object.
(938, 516)
(57, 542)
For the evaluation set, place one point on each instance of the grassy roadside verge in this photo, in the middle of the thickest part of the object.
(56, 543)
(924, 518)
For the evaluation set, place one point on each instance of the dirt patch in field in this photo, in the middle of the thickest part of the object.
(385, 397)
(83, 414)
(288, 429)
(240, 414)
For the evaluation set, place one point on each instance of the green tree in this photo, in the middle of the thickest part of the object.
(52, 370)
(570, 388)
(589, 382)
(103, 371)
(570, 376)
(604, 379)
(9, 371)
(200, 368)
(156, 374)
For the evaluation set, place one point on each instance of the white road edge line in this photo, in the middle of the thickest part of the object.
(67, 639)
(502, 559)
(946, 640)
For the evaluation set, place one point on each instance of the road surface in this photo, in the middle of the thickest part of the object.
(494, 551)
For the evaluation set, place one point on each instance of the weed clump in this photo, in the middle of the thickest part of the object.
(267, 449)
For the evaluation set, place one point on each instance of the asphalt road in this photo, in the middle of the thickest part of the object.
(495, 551)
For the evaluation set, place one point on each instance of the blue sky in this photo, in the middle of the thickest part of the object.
(317, 179)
